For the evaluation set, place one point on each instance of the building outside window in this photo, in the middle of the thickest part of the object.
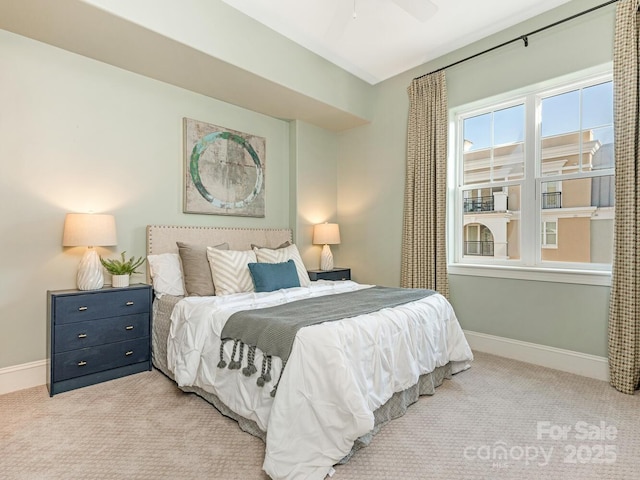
(533, 178)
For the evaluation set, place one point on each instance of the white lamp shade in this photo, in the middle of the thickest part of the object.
(89, 230)
(326, 234)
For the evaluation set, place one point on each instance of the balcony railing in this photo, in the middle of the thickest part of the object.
(552, 200)
(484, 249)
(482, 204)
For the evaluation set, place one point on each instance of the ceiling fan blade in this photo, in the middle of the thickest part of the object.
(423, 10)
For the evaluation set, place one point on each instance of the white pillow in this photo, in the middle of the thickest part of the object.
(229, 270)
(280, 255)
(166, 274)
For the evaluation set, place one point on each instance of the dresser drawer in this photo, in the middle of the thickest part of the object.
(89, 306)
(73, 336)
(96, 359)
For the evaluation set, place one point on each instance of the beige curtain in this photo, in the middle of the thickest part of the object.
(624, 305)
(424, 262)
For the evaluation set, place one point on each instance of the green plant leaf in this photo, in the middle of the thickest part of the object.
(122, 266)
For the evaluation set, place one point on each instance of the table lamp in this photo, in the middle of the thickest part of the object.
(89, 230)
(326, 234)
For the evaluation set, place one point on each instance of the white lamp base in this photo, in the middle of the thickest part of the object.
(326, 258)
(90, 275)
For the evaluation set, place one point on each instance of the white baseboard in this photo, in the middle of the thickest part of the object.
(19, 377)
(583, 364)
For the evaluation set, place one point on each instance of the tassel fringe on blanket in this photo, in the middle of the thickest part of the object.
(237, 355)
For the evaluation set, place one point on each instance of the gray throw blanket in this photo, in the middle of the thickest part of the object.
(274, 329)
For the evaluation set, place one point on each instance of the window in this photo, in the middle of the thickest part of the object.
(550, 234)
(532, 179)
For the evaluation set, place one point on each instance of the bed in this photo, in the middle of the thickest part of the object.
(342, 379)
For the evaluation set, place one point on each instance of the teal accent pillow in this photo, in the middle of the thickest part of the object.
(268, 277)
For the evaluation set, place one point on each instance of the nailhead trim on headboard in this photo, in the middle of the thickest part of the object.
(163, 238)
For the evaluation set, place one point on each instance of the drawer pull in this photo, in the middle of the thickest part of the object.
(129, 304)
(82, 309)
(129, 327)
(82, 335)
(82, 363)
(130, 352)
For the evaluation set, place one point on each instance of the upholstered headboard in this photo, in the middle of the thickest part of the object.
(163, 238)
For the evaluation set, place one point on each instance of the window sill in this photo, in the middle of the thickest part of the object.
(538, 274)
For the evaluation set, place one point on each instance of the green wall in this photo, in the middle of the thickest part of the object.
(78, 135)
(313, 185)
(371, 163)
(561, 315)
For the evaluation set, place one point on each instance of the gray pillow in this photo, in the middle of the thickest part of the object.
(195, 269)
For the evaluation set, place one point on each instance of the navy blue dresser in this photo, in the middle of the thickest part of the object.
(97, 335)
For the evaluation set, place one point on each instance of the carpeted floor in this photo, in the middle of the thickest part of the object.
(501, 419)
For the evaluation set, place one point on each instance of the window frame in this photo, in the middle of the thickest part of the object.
(530, 265)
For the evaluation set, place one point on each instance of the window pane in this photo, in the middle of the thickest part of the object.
(561, 114)
(577, 219)
(597, 105)
(575, 126)
(491, 222)
(508, 125)
(493, 146)
(550, 238)
(477, 132)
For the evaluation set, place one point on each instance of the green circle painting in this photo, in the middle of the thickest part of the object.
(194, 167)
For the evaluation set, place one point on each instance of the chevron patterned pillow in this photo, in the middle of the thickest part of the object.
(230, 271)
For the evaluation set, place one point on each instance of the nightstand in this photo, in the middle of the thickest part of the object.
(337, 273)
(97, 335)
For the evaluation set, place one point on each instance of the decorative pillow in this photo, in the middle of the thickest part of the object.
(280, 255)
(229, 270)
(196, 270)
(268, 277)
(166, 274)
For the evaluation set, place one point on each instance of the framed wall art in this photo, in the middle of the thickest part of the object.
(224, 171)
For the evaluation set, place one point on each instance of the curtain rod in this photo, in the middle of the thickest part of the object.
(524, 38)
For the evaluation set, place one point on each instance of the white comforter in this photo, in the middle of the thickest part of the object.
(338, 373)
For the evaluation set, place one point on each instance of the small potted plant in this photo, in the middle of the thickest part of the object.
(122, 269)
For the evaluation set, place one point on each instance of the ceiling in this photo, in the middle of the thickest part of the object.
(388, 37)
